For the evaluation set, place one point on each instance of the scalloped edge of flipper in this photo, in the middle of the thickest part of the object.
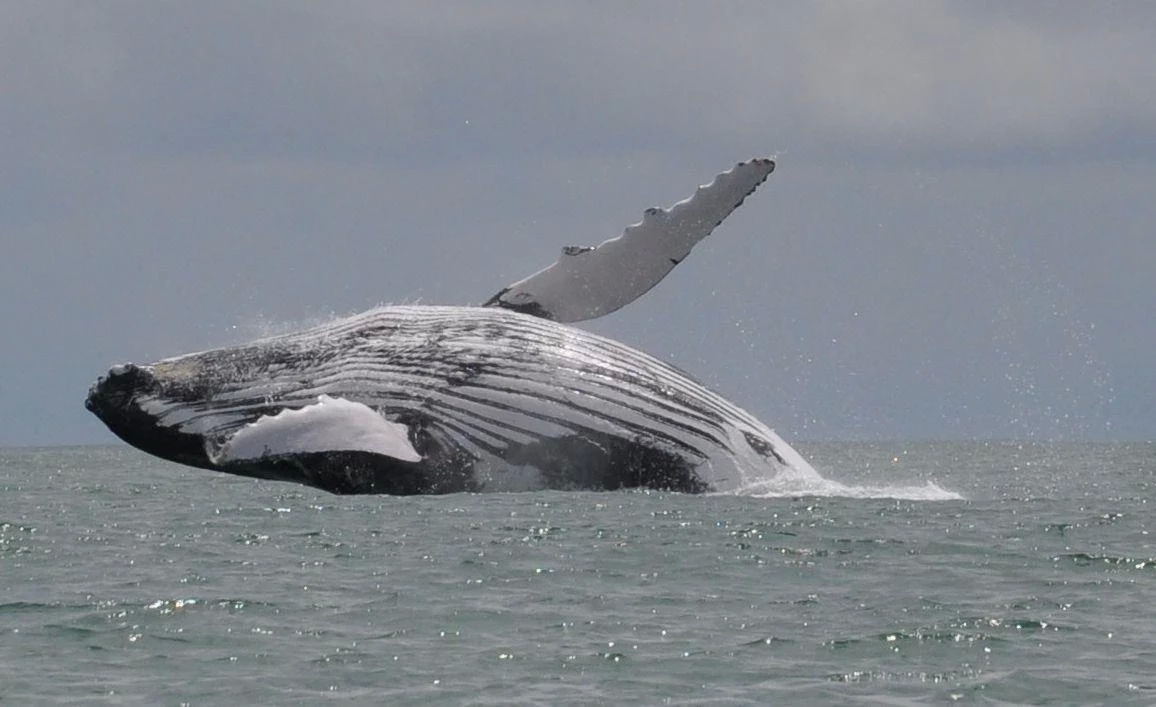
(591, 281)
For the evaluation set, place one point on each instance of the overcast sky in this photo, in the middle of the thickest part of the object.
(958, 241)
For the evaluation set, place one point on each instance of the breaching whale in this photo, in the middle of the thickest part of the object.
(440, 399)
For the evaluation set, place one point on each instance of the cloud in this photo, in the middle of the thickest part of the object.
(903, 81)
(937, 73)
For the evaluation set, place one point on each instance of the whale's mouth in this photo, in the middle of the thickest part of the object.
(116, 398)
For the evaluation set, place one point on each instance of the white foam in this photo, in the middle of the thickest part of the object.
(790, 485)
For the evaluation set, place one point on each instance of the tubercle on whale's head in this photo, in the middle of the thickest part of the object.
(128, 385)
(119, 388)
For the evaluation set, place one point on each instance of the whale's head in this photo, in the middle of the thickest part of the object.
(135, 404)
(180, 408)
(257, 410)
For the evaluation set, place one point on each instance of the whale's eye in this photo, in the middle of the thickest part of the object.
(762, 447)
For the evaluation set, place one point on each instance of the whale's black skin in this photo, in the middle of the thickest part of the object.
(405, 400)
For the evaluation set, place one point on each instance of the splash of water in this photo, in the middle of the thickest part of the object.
(805, 481)
(261, 326)
(799, 478)
(779, 488)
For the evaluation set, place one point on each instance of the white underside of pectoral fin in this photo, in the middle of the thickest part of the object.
(588, 282)
(329, 425)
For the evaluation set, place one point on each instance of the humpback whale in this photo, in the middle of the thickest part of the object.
(440, 399)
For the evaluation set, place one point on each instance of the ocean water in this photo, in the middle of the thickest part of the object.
(928, 573)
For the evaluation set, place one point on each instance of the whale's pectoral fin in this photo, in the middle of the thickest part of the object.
(588, 282)
(331, 425)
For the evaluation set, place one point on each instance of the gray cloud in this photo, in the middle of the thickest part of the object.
(389, 82)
